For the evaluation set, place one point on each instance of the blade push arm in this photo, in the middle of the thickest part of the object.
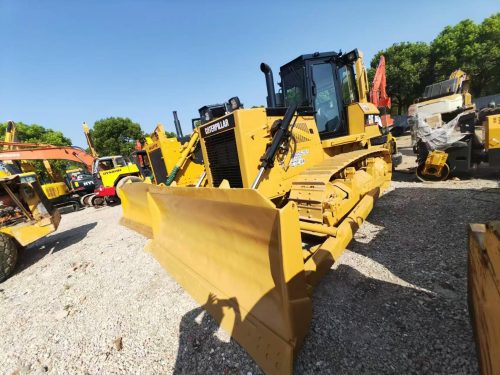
(267, 160)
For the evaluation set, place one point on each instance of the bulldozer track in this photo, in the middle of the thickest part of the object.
(309, 187)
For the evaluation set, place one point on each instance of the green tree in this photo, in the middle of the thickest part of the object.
(116, 136)
(457, 47)
(35, 133)
(170, 134)
(406, 70)
(474, 48)
(489, 41)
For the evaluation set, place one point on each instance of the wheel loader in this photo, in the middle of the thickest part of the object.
(26, 215)
(288, 186)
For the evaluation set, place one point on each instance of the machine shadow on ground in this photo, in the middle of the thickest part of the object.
(51, 244)
(422, 327)
(423, 241)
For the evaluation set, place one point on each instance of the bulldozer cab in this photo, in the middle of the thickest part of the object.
(324, 83)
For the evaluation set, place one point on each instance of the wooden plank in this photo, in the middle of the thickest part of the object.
(484, 293)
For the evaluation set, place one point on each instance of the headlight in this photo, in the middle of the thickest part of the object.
(207, 115)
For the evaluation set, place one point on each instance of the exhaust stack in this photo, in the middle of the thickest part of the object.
(178, 128)
(271, 94)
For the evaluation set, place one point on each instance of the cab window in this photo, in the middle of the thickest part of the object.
(106, 164)
(28, 179)
(328, 116)
(293, 84)
(348, 85)
(120, 162)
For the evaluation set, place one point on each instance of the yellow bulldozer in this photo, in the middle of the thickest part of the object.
(172, 160)
(287, 187)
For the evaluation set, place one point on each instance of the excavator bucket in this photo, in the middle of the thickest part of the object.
(237, 255)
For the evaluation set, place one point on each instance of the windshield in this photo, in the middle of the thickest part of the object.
(325, 99)
(293, 84)
(447, 87)
(29, 179)
(120, 162)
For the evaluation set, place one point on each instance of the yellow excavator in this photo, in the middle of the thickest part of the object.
(17, 158)
(287, 188)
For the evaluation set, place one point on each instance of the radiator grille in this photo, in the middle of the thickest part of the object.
(223, 158)
(158, 165)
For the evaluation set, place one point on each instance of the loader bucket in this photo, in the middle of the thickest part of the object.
(135, 208)
(241, 258)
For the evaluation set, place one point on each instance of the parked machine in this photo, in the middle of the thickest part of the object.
(110, 173)
(17, 158)
(91, 187)
(287, 188)
(443, 101)
(175, 159)
(448, 134)
(26, 215)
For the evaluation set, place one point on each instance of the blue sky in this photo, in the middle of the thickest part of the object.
(65, 62)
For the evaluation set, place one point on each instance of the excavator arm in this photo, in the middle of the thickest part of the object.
(90, 141)
(45, 152)
(378, 93)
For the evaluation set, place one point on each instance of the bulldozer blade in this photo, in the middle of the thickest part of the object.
(241, 258)
(135, 208)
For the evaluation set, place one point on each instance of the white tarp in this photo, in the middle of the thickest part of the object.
(437, 138)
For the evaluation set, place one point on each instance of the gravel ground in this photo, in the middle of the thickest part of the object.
(88, 300)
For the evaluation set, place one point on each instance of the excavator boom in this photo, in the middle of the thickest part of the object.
(378, 93)
(46, 152)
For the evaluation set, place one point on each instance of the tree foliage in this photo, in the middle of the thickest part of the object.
(116, 136)
(406, 70)
(474, 48)
(35, 133)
